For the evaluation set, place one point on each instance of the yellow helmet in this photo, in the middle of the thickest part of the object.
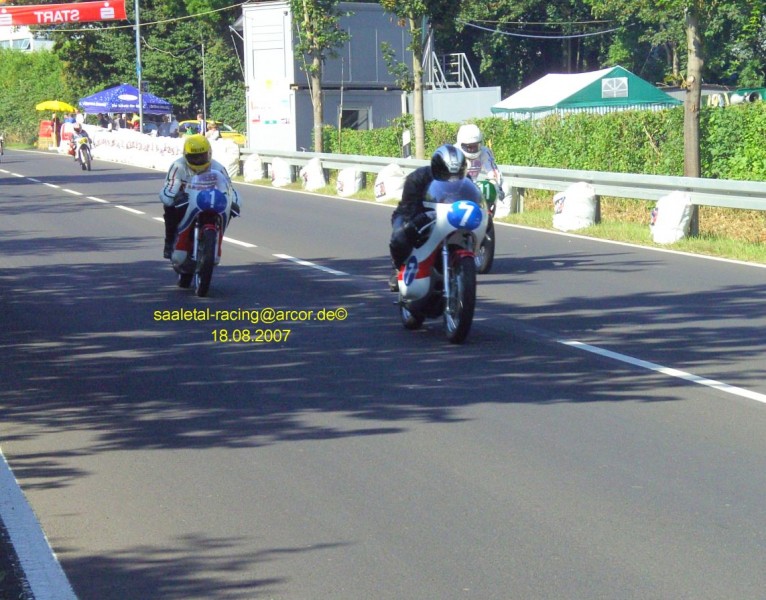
(197, 152)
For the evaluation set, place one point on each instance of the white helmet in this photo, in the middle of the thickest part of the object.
(469, 139)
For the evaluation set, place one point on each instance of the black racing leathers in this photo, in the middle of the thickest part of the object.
(414, 192)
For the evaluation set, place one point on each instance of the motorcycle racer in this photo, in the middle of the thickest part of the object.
(481, 160)
(196, 159)
(447, 163)
(78, 131)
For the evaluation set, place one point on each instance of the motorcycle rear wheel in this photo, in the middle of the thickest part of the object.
(458, 313)
(486, 255)
(208, 245)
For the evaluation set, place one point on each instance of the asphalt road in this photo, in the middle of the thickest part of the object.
(600, 434)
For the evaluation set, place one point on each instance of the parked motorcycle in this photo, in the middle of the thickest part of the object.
(439, 277)
(200, 233)
(80, 149)
(485, 255)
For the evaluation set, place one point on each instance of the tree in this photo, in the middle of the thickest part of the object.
(659, 14)
(101, 55)
(414, 14)
(319, 34)
(520, 41)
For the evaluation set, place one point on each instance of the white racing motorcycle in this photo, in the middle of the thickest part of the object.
(485, 255)
(439, 277)
(200, 234)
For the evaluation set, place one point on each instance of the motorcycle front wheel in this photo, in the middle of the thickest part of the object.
(486, 254)
(458, 313)
(208, 245)
(85, 159)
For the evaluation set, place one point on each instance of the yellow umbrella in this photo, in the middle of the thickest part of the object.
(56, 106)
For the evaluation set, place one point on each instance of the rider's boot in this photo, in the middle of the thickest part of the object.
(172, 219)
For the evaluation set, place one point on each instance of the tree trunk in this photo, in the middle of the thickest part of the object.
(317, 101)
(418, 114)
(693, 95)
(692, 105)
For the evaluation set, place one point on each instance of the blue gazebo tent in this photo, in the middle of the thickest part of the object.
(124, 99)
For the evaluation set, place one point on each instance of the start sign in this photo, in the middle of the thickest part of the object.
(56, 14)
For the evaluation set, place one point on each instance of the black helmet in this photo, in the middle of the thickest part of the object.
(448, 163)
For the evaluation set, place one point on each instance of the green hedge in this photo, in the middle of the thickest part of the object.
(27, 78)
(733, 141)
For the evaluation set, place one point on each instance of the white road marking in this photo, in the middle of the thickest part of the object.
(712, 383)
(306, 263)
(98, 200)
(73, 192)
(42, 571)
(130, 210)
(239, 243)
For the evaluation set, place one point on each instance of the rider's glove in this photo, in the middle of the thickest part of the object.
(181, 200)
(421, 220)
(415, 229)
(235, 210)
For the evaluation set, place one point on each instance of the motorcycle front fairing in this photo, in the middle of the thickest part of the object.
(465, 189)
(210, 203)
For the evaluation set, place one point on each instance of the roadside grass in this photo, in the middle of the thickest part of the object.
(725, 233)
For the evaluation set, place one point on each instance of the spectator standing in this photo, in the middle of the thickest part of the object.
(173, 126)
(201, 122)
(56, 130)
(163, 130)
(212, 132)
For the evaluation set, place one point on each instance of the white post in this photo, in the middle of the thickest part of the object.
(138, 71)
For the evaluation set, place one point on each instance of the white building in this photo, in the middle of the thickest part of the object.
(21, 38)
(358, 89)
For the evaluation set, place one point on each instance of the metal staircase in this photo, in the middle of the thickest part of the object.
(446, 70)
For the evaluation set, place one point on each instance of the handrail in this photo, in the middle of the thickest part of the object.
(724, 193)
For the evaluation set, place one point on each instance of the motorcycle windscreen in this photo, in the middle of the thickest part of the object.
(446, 192)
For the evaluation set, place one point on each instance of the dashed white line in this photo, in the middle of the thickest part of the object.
(239, 243)
(306, 263)
(130, 210)
(712, 383)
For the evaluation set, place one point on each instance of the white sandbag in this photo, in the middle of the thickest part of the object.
(349, 182)
(226, 152)
(281, 172)
(503, 205)
(312, 175)
(252, 168)
(671, 218)
(389, 183)
(575, 207)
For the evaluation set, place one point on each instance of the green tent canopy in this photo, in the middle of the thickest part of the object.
(601, 91)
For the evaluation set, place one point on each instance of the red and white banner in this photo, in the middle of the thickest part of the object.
(56, 14)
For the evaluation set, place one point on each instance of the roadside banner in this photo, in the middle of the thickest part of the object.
(57, 14)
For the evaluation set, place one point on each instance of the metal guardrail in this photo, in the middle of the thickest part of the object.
(725, 193)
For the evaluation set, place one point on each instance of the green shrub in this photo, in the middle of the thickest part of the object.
(733, 141)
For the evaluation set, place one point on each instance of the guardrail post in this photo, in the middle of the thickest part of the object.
(517, 199)
(694, 222)
(597, 215)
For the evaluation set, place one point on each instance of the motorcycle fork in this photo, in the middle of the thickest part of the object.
(445, 270)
